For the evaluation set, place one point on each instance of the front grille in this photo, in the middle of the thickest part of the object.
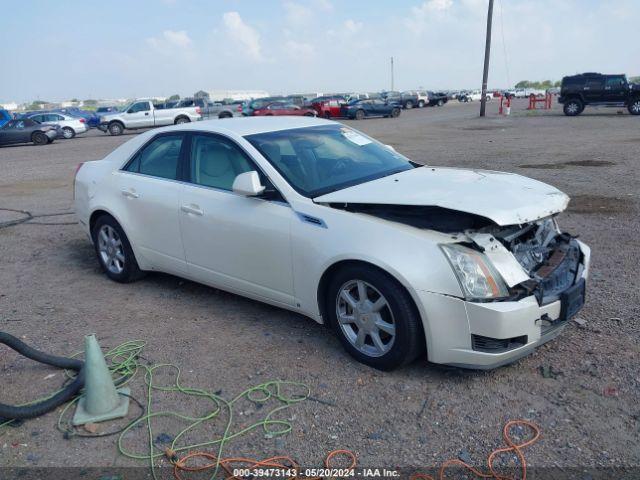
(496, 345)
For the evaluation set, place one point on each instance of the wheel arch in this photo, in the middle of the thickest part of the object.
(120, 122)
(100, 211)
(327, 275)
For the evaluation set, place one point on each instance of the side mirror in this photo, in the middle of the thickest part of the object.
(130, 111)
(248, 184)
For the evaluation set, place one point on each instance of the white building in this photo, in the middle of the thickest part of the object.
(9, 106)
(217, 95)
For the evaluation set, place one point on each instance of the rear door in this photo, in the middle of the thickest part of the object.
(232, 241)
(593, 90)
(149, 199)
(616, 89)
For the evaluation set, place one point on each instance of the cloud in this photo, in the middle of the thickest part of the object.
(299, 50)
(244, 35)
(297, 15)
(422, 14)
(170, 39)
(352, 26)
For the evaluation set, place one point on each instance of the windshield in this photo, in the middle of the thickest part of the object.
(323, 159)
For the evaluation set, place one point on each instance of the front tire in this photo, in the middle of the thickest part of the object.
(440, 103)
(225, 115)
(421, 104)
(573, 107)
(395, 113)
(374, 317)
(408, 105)
(360, 115)
(68, 132)
(634, 107)
(114, 251)
(115, 129)
(182, 120)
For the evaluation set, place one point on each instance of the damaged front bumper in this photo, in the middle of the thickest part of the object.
(485, 335)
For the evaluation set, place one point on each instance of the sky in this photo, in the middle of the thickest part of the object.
(127, 49)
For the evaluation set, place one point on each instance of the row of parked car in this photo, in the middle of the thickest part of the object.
(43, 127)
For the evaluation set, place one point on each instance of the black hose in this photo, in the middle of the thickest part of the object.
(11, 412)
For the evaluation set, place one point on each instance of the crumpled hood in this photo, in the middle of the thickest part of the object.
(505, 198)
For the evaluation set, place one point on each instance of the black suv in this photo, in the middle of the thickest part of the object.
(600, 90)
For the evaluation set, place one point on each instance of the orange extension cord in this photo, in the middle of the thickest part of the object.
(285, 462)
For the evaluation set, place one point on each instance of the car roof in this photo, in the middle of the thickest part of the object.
(251, 125)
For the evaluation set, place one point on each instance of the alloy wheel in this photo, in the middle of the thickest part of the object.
(635, 108)
(111, 249)
(365, 318)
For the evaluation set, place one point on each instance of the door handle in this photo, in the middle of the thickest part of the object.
(193, 209)
(146, 114)
(129, 193)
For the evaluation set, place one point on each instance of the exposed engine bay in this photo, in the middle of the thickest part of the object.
(551, 259)
(534, 258)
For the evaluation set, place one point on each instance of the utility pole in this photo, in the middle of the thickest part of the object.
(392, 74)
(487, 52)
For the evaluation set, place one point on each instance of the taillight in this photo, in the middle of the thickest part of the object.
(75, 174)
(198, 110)
(82, 120)
(239, 108)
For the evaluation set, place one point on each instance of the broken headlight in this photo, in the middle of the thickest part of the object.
(477, 276)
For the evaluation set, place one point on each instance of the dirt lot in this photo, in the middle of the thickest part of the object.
(587, 403)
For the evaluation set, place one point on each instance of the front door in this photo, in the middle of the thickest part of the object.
(149, 196)
(616, 90)
(235, 242)
(139, 115)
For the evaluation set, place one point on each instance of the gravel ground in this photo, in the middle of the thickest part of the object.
(586, 404)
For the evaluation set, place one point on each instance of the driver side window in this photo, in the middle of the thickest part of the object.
(139, 107)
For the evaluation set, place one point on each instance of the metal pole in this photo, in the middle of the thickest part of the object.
(392, 74)
(487, 52)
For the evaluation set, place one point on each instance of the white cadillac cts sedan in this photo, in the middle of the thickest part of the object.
(315, 217)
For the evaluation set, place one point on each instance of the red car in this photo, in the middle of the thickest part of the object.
(283, 108)
(329, 107)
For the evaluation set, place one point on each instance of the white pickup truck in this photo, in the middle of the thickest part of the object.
(144, 114)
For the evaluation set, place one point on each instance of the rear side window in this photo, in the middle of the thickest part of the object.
(159, 158)
(216, 162)
(595, 83)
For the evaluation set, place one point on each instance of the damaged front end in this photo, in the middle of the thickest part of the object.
(532, 259)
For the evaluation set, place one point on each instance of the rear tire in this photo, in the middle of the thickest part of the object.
(573, 107)
(39, 138)
(68, 132)
(359, 115)
(181, 120)
(634, 107)
(395, 113)
(384, 337)
(114, 251)
(440, 103)
(408, 105)
(225, 115)
(421, 104)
